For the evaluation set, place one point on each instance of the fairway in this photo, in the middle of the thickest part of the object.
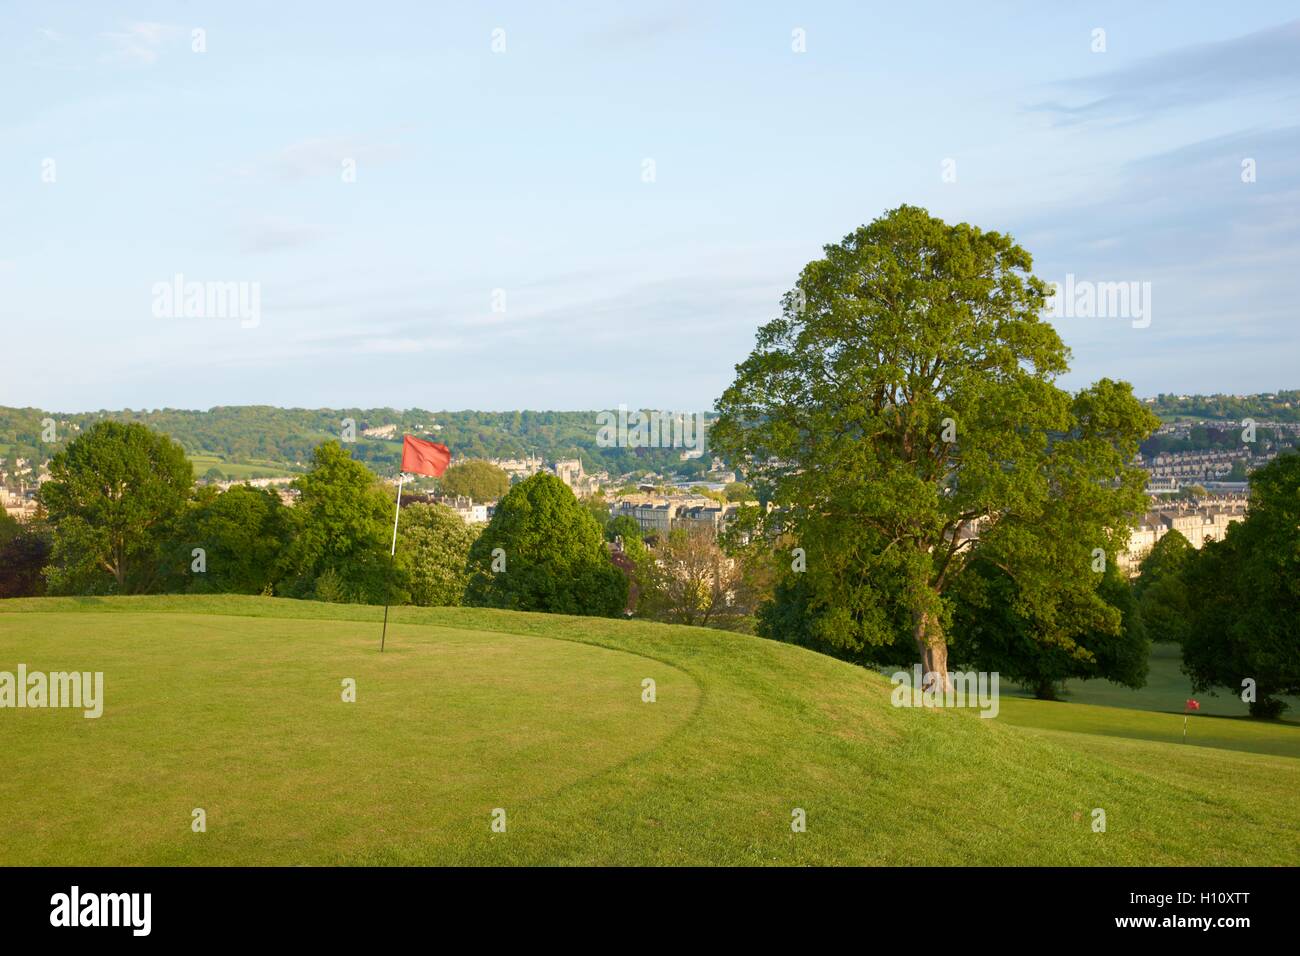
(1166, 690)
(234, 705)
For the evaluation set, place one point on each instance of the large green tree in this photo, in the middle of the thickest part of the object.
(1244, 596)
(343, 523)
(543, 551)
(903, 416)
(1161, 587)
(9, 527)
(625, 527)
(480, 480)
(24, 551)
(433, 554)
(242, 533)
(991, 634)
(690, 580)
(114, 497)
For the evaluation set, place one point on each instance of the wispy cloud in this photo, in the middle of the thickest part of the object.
(268, 233)
(1260, 62)
(318, 157)
(139, 44)
(640, 31)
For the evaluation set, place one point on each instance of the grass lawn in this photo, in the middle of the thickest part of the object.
(238, 471)
(1167, 689)
(1155, 712)
(233, 704)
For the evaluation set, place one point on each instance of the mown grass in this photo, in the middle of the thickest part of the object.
(233, 704)
(238, 471)
(1167, 690)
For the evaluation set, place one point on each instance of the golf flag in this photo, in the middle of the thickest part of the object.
(420, 457)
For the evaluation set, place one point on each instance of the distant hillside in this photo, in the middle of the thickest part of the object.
(262, 439)
(266, 438)
(1267, 406)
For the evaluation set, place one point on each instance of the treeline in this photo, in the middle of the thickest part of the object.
(121, 515)
(1234, 605)
(288, 436)
(1268, 406)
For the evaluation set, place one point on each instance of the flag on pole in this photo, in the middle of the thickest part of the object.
(420, 457)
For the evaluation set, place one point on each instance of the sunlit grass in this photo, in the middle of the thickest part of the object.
(233, 704)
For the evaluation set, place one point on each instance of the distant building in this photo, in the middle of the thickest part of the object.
(282, 481)
(1197, 521)
(469, 511)
(659, 515)
(20, 507)
(519, 467)
(570, 472)
(1161, 486)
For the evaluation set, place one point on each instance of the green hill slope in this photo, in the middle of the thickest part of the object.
(233, 705)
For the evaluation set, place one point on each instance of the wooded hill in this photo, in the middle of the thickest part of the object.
(263, 434)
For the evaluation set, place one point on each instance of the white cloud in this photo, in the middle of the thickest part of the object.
(276, 232)
(318, 157)
(139, 44)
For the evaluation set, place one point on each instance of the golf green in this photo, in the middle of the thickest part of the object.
(488, 737)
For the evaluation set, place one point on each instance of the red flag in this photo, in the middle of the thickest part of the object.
(420, 457)
(1193, 704)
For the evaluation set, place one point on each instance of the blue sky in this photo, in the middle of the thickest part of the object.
(522, 171)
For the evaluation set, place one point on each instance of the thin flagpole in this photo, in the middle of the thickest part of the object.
(392, 559)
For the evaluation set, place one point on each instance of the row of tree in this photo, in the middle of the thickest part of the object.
(1234, 605)
(121, 515)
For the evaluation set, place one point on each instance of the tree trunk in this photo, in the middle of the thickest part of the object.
(934, 651)
(119, 567)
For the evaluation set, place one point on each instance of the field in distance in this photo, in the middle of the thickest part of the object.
(239, 471)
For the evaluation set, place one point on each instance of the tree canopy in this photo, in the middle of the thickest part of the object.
(1161, 589)
(903, 416)
(342, 529)
(433, 552)
(543, 551)
(243, 534)
(480, 480)
(991, 634)
(24, 551)
(1243, 596)
(114, 497)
